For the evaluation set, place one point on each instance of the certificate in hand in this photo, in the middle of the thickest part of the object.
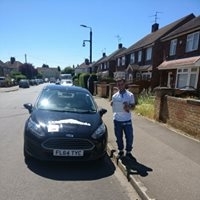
(118, 106)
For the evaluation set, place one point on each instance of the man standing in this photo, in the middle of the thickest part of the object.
(122, 103)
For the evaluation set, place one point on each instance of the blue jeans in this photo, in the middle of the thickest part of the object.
(126, 128)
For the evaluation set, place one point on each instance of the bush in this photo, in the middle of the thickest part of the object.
(145, 106)
(83, 79)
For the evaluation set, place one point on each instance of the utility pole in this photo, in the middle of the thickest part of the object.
(25, 58)
(90, 40)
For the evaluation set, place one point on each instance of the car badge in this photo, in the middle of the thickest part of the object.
(69, 135)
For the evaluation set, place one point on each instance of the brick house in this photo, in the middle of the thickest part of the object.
(181, 65)
(96, 64)
(107, 66)
(49, 72)
(8, 67)
(143, 57)
(84, 67)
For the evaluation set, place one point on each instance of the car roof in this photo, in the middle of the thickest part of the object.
(64, 87)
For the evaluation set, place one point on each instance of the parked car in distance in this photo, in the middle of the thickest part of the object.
(2, 81)
(65, 124)
(66, 82)
(24, 83)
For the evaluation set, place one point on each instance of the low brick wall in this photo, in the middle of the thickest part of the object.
(183, 114)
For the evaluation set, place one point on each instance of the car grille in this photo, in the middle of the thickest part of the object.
(63, 143)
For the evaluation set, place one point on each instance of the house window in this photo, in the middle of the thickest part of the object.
(108, 65)
(146, 75)
(132, 58)
(173, 45)
(139, 56)
(170, 80)
(192, 42)
(105, 66)
(118, 62)
(148, 53)
(130, 77)
(123, 60)
(138, 76)
(187, 78)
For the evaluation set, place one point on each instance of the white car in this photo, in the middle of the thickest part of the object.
(67, 82)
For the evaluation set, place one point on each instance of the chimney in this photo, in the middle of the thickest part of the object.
(87, 61)
(119, 45)
(154, 27)
(104, 54)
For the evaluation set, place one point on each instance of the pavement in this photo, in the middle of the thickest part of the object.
(9, 89)
(166, 163)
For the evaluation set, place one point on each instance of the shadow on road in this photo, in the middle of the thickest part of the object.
(134, 167)
(75, 171)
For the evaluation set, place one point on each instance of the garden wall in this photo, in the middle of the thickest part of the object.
(180, 113)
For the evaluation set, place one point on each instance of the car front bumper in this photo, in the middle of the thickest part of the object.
(43, 149)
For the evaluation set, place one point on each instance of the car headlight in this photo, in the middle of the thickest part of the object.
(35, 128)
(99, 131)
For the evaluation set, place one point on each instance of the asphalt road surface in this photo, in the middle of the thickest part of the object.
(49, 181)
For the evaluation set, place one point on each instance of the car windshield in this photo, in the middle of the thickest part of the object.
(66, 101)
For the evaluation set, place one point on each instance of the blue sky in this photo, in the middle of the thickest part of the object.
(49, 31)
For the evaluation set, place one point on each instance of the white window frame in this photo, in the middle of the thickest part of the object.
(139, 56)
(108, 65)
(105, 65)
(192, 42)
(173, 45)
(132, 58)
(184, 75)
(148, 53)
(169, 79)
(146, 75)
(130, 77)
(123, 60)
(118, 62)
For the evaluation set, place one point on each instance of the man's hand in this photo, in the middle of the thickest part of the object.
(126, 107)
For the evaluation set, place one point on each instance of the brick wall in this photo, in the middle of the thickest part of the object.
(183, 114)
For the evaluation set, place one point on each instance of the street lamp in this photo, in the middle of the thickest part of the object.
(90, 40)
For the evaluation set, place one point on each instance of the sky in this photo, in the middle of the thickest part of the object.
(49, 31)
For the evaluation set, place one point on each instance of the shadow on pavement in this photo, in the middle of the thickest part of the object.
(75, 171)
(134, 167)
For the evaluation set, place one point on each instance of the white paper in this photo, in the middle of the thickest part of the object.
(118, 106)
(53, 128)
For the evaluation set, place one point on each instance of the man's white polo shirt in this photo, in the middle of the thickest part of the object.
(126, 96)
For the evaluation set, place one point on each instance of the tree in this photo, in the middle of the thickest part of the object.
(28, 70)
(68, 70)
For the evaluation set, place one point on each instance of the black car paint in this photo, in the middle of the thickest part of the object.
(34, 145)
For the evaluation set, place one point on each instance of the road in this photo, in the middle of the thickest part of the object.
(49, 181)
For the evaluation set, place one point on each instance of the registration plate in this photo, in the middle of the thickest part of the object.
(67, 152)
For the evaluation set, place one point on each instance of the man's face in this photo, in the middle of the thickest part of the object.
(120, 85)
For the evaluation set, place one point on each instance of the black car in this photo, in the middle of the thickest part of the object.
(65, 124)
(24, 83)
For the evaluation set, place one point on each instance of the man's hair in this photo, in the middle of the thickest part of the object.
(119, 79)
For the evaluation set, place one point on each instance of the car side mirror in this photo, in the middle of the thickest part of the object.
(29, 107)
(102, 111)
